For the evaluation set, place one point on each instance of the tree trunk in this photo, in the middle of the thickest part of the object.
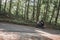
(0, 5)
(17, 8)
(38, 10)
(5, 5)
(46, 12)
(27, 10)
(58, 8)
(47, 6)
(22, 13)
(52, 14)
(10, 7)
(33, 11)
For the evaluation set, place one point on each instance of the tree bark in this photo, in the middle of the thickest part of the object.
(27, 10)
(45, 15)
(0, 5)
(52, 14)
(38, 10)
(33, 11)
(10, 7)
(17, 8)
(58, 8)
(5, 5)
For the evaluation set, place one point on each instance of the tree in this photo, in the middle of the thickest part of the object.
(22, 13)
(17, 8)
(33, 11)
(58, 8)
(0, 5)
(47, 9)
(38, 10)
(5, 5)
(10, 7)
(54, 8)
(27, 9)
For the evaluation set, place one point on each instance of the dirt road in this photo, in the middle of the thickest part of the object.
(53, 34)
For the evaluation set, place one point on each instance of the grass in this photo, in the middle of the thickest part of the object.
(28, 23)
(53, 26)
(17, 21)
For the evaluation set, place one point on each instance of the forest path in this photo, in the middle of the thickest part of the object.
(53, 34)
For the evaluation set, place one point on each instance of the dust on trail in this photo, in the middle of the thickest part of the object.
(20, 36)
(12, 31)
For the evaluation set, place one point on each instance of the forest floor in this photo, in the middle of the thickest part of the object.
(8, 30)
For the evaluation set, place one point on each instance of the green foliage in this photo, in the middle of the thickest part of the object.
(31, 10)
